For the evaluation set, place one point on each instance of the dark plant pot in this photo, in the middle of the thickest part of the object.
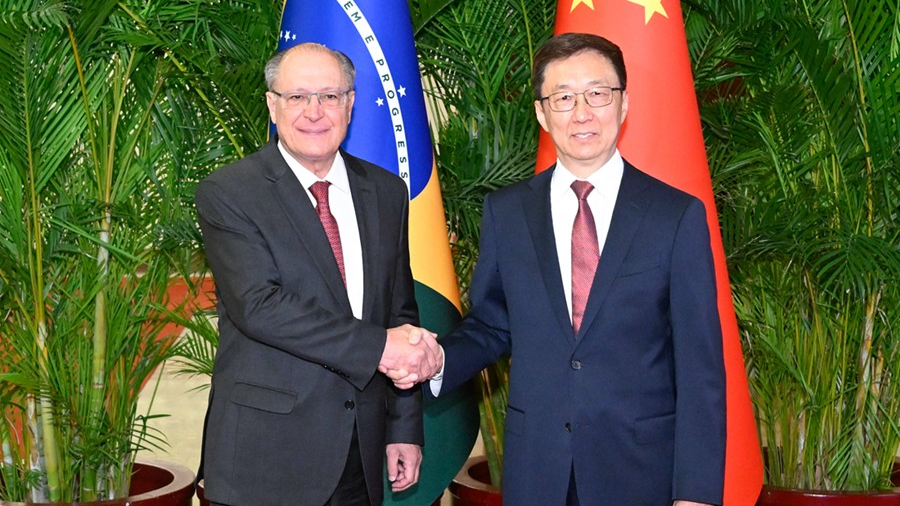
(777, 496)
(153, 483)
(774, 496)
(201, 493)
(472, 485)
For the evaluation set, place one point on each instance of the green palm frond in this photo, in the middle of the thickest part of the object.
(803, 139)
(34, 15)
(110, 112)
(196, 352)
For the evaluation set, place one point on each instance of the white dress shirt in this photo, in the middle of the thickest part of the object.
(563, 208)
(341, 203)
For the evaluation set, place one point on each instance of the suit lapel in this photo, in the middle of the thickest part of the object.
(536, 208)
(365, 204)
(300, 212)
(627, 216)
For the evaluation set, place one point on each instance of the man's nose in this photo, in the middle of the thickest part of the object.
(582, 111)
(313, 109)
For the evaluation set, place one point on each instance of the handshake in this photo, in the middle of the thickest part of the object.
(411, 355)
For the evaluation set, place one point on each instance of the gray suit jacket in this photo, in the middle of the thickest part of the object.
(295, 371)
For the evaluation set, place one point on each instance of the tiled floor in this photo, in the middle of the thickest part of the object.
(177, 396)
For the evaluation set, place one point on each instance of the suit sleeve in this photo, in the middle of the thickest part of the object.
(249, 286)
(405, 416)
(484, 334)
(699, 364)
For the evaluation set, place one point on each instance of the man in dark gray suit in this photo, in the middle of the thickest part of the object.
(308, 246)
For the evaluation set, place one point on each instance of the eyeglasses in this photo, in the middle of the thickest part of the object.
(331, 99)
(563, 101)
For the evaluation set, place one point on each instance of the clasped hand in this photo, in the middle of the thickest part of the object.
(411, 355)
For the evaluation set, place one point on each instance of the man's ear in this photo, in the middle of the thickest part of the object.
(624, 107)
(539, 113)
(271, 102)
(351, 97)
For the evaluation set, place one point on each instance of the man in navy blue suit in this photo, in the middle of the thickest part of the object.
(598, 281)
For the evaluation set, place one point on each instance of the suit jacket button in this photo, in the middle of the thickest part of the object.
(576, 364)
(568, 427)
(349, 405)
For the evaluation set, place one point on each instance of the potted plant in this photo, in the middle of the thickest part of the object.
(107, 121)
(803, 139)
(476, 63)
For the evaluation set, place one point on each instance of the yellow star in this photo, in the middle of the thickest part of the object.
(651, 7)
(576, 3)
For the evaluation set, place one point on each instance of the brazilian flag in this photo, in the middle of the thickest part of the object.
(390, 128)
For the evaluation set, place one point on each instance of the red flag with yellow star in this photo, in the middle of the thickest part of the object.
(662, 136)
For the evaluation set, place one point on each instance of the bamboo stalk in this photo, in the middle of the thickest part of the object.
(91, 484)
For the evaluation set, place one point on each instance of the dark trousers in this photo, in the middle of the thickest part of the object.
(572, 496)
(351, 489)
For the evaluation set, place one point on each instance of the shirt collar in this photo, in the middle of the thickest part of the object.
(337, 175)
(605, 179)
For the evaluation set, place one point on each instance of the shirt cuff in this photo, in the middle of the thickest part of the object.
(437, 380)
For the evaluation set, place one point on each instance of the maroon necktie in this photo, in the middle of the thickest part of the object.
(585, 252)
(320, 192)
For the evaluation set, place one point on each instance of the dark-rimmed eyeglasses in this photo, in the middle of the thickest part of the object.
(563, 101)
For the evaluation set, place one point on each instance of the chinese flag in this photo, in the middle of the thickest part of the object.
(662, 136)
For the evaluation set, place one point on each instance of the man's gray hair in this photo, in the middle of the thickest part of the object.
(273, 66)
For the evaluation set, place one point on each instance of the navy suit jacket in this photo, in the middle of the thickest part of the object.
(295, 371)
(635, 401)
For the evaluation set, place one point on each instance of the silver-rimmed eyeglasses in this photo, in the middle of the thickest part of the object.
(563, 101)
(331, 99)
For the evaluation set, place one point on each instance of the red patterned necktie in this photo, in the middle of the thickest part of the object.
(320, 192)
(585, 252)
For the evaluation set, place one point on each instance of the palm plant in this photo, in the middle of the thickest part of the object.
(196, 352)
(476, 62)
(220, 54)
(106, 121)
(804, 140)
